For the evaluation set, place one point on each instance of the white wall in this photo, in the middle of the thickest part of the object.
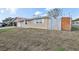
(52, 23)
(22, 25)
(38, 20)
(76, 23)
(18, 24)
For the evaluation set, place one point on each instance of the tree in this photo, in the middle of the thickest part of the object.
(9, 21)
(55, 13)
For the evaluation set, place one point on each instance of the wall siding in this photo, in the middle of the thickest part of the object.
(32, 24)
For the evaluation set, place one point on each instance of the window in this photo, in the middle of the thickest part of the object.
(77, 22)
(39, 21)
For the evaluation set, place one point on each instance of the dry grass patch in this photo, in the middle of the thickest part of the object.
(38, 40)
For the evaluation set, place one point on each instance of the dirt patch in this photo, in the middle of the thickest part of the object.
(38, 40)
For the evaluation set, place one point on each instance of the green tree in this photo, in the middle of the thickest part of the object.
(9, 21)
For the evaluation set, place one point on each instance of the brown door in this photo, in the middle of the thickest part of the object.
(66, 24)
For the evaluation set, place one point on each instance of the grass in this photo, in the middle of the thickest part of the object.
(60, 49)
(5, 30)
(75, 28)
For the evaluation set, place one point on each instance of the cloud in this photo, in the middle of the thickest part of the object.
(48, 9)
(38, 13)
(2, 11)
(9, 10)
(12, 10)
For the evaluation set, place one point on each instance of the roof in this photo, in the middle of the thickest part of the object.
(35, 17)
(29, 19)
(76, 19)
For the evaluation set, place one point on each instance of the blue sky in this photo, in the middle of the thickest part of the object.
(29, 12)
(73, 12)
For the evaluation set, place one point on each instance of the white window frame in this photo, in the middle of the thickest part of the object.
(39, 21)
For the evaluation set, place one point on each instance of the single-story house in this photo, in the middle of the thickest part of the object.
(75, 22)
(44, 22)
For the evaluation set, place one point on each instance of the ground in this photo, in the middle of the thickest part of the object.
(15, 39)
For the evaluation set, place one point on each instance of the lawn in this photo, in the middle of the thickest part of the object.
(5, 30)
(38, 40)
(75, 28)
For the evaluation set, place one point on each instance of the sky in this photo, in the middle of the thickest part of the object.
(29, 12)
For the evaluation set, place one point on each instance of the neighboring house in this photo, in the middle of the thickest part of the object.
(75, 22)
(44, 22)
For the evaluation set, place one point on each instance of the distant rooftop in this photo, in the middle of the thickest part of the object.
(76, 19)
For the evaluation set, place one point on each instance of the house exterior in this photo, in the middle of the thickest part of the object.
(41, 22)
(44, 22)
(75, 22)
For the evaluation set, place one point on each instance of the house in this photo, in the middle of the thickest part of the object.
(41, 22)
(44, 22)
(75, 22)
